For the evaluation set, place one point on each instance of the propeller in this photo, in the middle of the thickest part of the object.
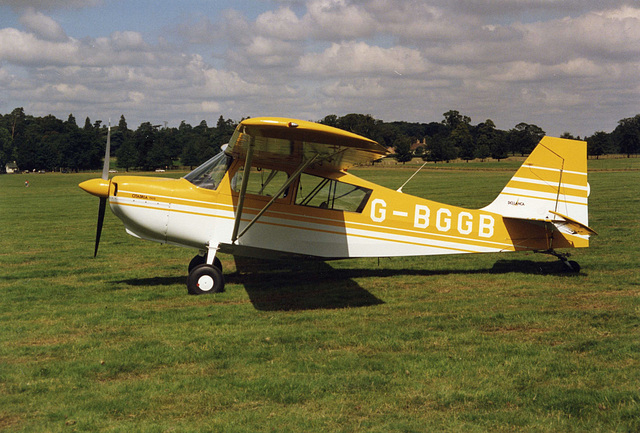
(103, 199)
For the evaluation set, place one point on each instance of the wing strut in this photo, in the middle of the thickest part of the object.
(243, 188)
(282, 189)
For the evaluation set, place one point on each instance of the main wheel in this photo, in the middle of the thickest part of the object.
(201, 260)
(205, 279)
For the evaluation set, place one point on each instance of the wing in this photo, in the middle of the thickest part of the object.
(289, 142)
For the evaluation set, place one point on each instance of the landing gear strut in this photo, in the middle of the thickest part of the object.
(201, 260)
(570, 265)
(204, 278)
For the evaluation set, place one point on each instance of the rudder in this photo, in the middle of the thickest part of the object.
(551, 185)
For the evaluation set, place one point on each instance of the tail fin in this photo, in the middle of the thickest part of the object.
(551, 186)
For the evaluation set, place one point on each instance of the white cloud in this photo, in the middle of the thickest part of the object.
(569, 64)
(22, 48)
(128, 40)
(43, 26)
(330, 20)
(601, 35)
(364, 88)
(210, 107)
(339, 19)
(283, 24)
(360, 58)
(266, 52)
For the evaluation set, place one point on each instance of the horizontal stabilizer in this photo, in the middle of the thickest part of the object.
(575, 226)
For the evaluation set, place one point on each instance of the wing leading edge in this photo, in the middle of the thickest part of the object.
(288, 142)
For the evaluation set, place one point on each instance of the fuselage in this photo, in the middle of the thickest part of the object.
(379, 223)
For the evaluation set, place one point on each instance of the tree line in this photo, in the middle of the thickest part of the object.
(51, 144)
(455, 137)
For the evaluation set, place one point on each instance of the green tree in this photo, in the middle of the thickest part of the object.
(191, 155)
(127, 155)
(41, 147)
(160, 154)
(486, 136)
(627, 135)
(330, 120)
(361, 124)
(27, 152)
(453, 118)
(143, 139)
(440, 148)
(499, 146)
(202, 128)
(462, 140)
(18, 122)
(223, 132)
(82, 150)
(120, 134)
(402, 146)
(7, 153)
(524, 137)
(599, 144)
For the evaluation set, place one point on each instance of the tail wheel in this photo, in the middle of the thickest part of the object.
(205, 279)
(574, 266)
(571, 266)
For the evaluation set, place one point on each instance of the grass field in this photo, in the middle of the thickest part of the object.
(457, 343)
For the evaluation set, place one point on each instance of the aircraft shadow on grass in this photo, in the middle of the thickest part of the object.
(312, 285)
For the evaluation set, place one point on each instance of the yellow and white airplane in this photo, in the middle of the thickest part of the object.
(280, 190)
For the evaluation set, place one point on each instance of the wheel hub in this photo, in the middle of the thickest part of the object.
(205, 283)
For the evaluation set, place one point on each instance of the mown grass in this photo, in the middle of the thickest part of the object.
(459, 343)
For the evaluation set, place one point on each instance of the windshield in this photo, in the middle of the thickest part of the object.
(209, 174)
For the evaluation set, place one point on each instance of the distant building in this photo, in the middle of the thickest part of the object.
(418, 144)
(11, 167)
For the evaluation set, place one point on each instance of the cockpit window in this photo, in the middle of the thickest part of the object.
(326, 193)
(262, 181)
(210, 174)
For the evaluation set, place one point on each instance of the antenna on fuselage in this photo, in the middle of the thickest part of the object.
(400, 189)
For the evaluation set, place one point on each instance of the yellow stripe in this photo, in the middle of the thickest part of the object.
(380, 230)
(552, 176)
(547, 188)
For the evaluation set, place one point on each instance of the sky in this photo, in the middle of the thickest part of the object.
(564, 65)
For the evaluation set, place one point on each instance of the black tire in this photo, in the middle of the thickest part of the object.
(571, 266)
(205, 279)
(197, 261)
(575, 267)
(201, 260)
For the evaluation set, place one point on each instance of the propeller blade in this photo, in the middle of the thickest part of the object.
(103, 200)
(101, 209)
(107, 152)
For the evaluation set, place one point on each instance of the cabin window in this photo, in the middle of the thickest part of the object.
(326, 193)
(210, 174)
(262, 181)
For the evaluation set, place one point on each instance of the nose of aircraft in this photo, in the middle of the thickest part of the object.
(97, 187)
